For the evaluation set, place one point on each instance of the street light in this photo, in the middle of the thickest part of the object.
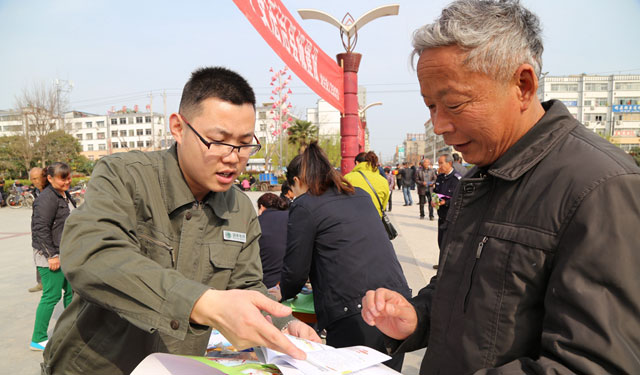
(363, 125)
(349, 62)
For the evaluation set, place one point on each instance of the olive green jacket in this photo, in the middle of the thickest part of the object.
(138, 254)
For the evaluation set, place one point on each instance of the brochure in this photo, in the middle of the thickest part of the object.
(321, 359)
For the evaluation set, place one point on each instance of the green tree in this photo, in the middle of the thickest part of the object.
(15, 157)
(302, 133)
(56, 146)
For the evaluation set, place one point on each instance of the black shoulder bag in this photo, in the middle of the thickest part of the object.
(391, 231)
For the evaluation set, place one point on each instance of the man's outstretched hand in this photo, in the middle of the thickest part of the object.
(390, 312)
(237, 315)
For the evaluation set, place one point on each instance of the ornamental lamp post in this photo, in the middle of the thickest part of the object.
(363, 124)
(349, 61)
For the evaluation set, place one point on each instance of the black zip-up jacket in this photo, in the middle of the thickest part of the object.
(540, 271)
(50, 211)
(446, 184)
(338, 241)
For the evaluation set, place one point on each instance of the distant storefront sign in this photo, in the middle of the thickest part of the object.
(626, 108)
(285, 36)
(570, 103)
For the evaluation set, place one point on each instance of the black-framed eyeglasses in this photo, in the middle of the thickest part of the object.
(225, 149)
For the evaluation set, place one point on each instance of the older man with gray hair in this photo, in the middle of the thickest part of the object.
(539, 264)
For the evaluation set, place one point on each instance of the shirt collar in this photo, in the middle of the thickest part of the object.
(529, 150)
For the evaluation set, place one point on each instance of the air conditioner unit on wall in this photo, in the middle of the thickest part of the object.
(587, 123)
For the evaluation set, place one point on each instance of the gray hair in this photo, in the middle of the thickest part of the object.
(447, 157)
(498, 34)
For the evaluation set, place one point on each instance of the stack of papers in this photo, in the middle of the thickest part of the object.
(321, 360)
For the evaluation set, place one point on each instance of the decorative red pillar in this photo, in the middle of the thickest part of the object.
(349, 122)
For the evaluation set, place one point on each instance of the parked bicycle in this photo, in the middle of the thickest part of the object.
(19, 198)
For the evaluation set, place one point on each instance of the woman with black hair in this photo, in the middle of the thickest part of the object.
(337, 240)
(50, 211)
(273, 217)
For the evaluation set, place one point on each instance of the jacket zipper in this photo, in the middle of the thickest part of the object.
(473, 270)
(164, 245)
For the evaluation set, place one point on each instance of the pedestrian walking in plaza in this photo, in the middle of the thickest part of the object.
(38, 178)
(457, 165)
(392, 184)
(50, 211)
(337, 240)
(540, 258)
(425, 179)
(407, 179)
(366, 166)
(398, 175)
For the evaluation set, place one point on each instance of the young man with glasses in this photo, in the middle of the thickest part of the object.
(165, 248)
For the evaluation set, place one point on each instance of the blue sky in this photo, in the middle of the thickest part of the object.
(117, 52)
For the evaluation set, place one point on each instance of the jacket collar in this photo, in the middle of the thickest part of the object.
(177, 193)
(529, 150)
(364, 167)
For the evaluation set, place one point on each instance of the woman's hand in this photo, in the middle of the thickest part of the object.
(54, 263)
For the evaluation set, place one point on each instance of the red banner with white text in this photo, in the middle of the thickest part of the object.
(301, 54)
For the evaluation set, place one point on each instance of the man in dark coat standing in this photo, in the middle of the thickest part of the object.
(425, 179)
(539, 266)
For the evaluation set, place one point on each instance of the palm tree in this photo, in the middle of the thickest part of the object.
(302, 133)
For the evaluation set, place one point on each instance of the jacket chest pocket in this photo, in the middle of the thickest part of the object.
(505, 284)
(223, 257)
(157, 247)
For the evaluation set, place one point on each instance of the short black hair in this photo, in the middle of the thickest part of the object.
(215, 82)
(456, 157)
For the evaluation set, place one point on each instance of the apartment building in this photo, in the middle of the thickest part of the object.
(608, 105)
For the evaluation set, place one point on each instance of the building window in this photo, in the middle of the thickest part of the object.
(79, 137)
(114, 145)
(601, 102)
(88, 124)
(263, 127)
(100, 135)
(123, 133)
(91, 157)
(89, 147)
(566, 87)
(140, 144)
(147, 119)
(627, 85)
(89, 136)
(147, 143)
(132, 144)
(131, 133)
(102, 147)
(593, 86)
(139, 131)
(114, 121)
(147, 131)
(139, 120)
(627, 101)
(123, 120)
(100, 124)
(114, 133)
(262, 115)
(77, 125)
(587, 103)
(598, 117)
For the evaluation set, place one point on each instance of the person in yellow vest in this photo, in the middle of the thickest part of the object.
(367, 166)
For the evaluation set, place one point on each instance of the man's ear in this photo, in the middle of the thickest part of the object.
(526, 82)
(176, 126)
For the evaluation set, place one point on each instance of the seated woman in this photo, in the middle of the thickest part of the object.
(336, 238)
(273, 217)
